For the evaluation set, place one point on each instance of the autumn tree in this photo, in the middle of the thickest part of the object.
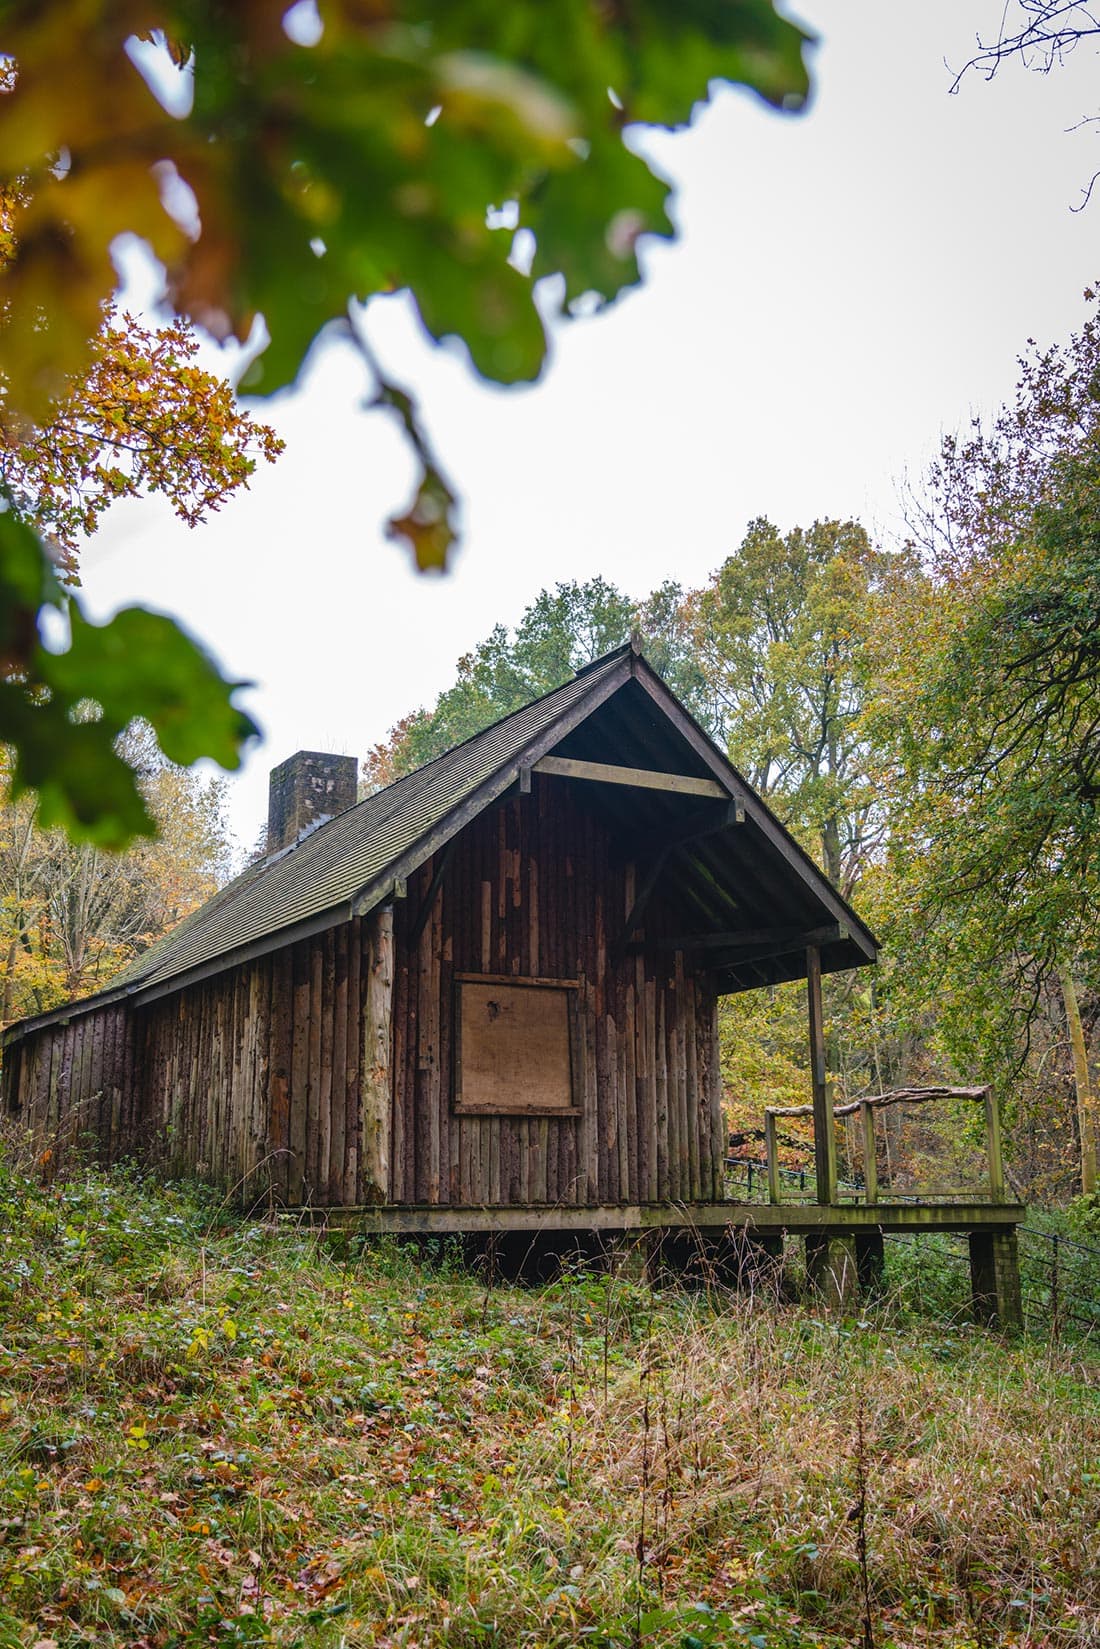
(379, 150)
(990, 698)
(779, 633)
(72, 915)
(143, 418)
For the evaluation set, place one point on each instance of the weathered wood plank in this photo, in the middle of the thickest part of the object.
(641, 778)
(326, 963)
(338, 1087)
(299, 1073)
(355, 1068)
(377, 1050)
(281, 1067)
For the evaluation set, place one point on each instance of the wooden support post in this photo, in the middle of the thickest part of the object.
(993, 1147)
(831, 1267)
(824, 1137)
(771, 1145)
(870, 1158)
(995, 1278)
(377, 1043)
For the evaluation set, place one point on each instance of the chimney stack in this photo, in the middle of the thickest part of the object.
(305, 791)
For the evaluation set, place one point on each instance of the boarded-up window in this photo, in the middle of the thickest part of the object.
(514, 1046)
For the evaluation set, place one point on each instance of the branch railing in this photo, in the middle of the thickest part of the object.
(865, 1108)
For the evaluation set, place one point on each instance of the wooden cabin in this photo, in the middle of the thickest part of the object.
(483, 998)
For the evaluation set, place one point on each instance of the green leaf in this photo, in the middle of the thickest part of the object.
(82, 784)
(143, 664)
(61, 714)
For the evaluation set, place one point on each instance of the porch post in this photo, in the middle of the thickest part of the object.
(870, 1156)
(772, 1146)
(993, 1147)
(824, 1136)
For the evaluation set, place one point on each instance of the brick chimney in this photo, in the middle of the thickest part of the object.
(305, 790)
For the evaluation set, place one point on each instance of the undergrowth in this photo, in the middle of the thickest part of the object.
(221, 1431)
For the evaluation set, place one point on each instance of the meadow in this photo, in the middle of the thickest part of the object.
(226, 1430)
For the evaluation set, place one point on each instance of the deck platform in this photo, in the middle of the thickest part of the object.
(843, 1241)
(794, 1219)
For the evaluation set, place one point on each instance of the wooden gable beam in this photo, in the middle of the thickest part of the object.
(642, 778)
(758, 942)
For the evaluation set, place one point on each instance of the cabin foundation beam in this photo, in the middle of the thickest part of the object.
(796, 1219)
(995, 1278)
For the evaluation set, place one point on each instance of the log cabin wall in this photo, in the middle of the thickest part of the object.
(532, 889)
(269, 1076)
(73, 1087)
(265, 1077)
(289, 1073)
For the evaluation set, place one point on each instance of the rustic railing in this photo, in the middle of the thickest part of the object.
(865, 1108)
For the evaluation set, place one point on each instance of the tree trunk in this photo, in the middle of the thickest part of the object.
(830, 849)
(1086, 1099)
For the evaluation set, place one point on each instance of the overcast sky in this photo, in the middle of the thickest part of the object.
(848, 284)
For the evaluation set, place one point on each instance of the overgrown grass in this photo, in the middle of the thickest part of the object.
(221, 1431)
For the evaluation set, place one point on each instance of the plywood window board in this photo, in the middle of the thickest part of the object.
(513, 1053)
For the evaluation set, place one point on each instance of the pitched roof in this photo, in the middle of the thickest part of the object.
(350, 864)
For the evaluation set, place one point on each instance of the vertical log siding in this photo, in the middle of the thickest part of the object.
(533, 890)
(71, 1088)
(252, 1078)
(323, 1073)
(255, 1078)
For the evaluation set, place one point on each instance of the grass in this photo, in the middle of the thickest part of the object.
(221, 1431)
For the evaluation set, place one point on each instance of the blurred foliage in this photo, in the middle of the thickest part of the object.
(286, 163)
(139, 416)
(63, 713)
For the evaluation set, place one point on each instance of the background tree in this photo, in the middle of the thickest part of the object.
(72, 915)
(990, 700)
(561, 631)
(779, 634)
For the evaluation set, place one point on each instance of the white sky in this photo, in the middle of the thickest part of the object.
(848, 284)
